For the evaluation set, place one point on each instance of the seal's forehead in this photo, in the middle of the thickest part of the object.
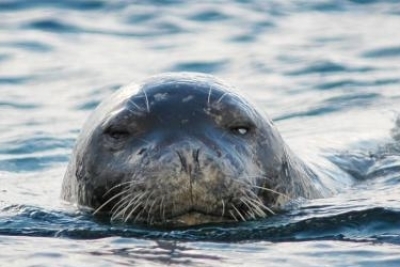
(190, 90)
(185, 82)
(175, 90)
(179, 88)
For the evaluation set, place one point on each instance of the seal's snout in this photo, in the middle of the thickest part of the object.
(189, 159)
(190, 183)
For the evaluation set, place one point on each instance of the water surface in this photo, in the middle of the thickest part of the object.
(326, 71)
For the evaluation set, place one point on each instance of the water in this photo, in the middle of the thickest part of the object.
(326, 71)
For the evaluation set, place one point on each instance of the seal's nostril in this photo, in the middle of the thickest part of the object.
(182, 159)
(196, 155)
(141, 151)
(219, 153)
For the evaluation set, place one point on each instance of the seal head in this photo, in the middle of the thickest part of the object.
(183, 149)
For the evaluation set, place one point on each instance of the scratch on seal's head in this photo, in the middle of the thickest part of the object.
(183, 149)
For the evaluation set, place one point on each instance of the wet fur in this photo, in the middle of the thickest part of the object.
(159, 177)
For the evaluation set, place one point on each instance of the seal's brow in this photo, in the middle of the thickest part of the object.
(209, 95)
(147, 100)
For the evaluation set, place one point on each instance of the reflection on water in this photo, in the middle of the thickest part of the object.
(326, 71)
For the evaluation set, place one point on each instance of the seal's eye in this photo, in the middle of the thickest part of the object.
(116, 134)
(240, 130)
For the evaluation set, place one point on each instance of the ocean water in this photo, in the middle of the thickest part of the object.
(327, 72)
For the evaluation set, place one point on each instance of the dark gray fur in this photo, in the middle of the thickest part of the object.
(174, 145)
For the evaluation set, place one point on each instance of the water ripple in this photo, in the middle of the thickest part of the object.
(16, 80)
(34, 144)
(327, 67)
(52, 25)
(377, 222)
(18, 105)
(320, 59)
(209, 16)
(140, 18)
(31, 46)
(17, 5)
(93, 99)
(4, 57)
(33, 153)
(345, 83)
(335, 104)
(31, 163)
(157, 29)
(352, 100)
(206, 66)
(386, 52)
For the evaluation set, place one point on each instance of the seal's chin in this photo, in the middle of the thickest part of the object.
(195, 218)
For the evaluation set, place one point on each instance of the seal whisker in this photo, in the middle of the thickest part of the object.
(251, 210)
(161, 208)
(261, 187)
(138, 203)
(160, 201)
(223, 208)
(209, 96)
(115, 187)
(244, 179)
(154, 202)
(272, 191)
(129, 215)
(254, 207)
(151, 208)
(223, 95)
(147, 100)
(108, 201)
(135, 105)
(118, 205)
(147, 207)
(119, 210)
(126, 204)
(133, 208)
(238, 212)
(233, 215)
(121, 201)
(138, 215)
(261, 205)
(257, 201)
(252, 177)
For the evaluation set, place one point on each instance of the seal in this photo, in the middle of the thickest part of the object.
(184, 148)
